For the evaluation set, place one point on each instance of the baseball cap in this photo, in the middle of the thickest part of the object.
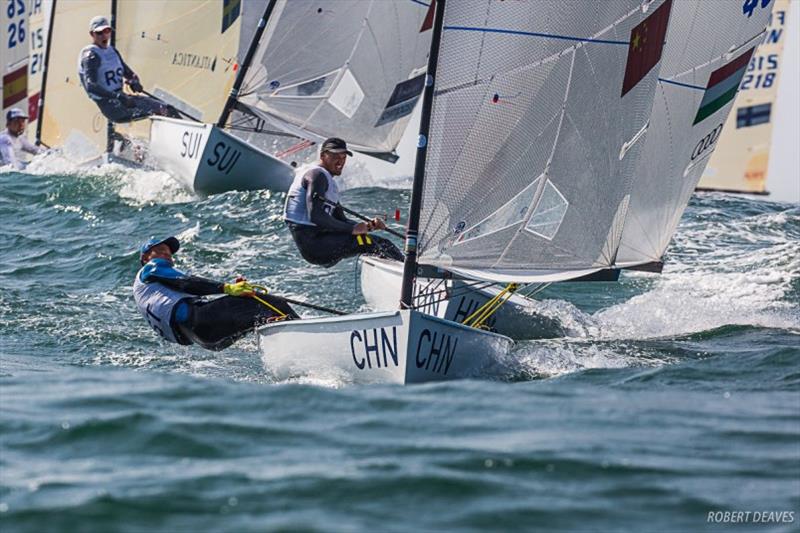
(15, 112)
(98, 23)
(173, 243)
(335, 145)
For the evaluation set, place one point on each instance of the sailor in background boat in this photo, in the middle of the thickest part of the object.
(102, 73)
(13, 142)
(173, 302)
(323, 234)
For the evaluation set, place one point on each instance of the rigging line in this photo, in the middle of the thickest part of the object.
(454, 294)
(462, 290)
(277, 133)
(536, 34)
(679, 84)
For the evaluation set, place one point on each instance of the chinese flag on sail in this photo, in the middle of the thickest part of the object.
(646, 45)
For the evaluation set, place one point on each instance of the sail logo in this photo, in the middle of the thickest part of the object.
(706, 143)
(186, 59)
(435, 351)
(190, 143)
(402, 101)
(224, 157)
(367, 346)
(750, 6)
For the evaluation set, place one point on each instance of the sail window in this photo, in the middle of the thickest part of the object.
(314, 88)
(513, 212)
(549, 213)
(348, 95)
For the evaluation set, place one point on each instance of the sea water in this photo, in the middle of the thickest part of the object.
(663, 403)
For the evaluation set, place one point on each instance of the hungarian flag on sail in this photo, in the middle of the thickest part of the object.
(722, 86)
(645, 46)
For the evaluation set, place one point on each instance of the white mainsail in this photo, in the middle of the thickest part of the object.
(536, 131)
(67, 112)
(183, 50)
(708, 48)
(14, 37)
(352, 69)
(741, 159)
(38, 23)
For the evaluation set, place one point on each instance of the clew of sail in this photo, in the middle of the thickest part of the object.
(352, 69)
(709, 45)
(538, 120)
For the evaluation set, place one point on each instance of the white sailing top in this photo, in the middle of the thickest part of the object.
(11, 149)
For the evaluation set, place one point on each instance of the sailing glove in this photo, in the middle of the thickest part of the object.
(240, 288)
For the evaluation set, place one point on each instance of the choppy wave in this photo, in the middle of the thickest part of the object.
(657, 399)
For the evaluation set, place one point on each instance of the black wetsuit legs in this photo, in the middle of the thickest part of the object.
(141, 107)
(218, 323)
(326, 248)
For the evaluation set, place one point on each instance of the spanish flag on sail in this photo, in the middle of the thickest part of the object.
(15, 86)
(646, 45)
(722, 86)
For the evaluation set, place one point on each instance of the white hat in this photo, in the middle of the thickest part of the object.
(98, 23)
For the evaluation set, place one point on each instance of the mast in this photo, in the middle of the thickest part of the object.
(248, 58)
(113, 41)
(40, 112)
(410, 265)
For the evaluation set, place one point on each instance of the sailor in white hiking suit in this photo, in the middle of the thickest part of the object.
(13, 142)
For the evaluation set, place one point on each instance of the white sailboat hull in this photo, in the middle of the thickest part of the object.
(209, 160)
(389, 347)
(517, 318)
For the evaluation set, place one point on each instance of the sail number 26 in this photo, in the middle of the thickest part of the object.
(16, 29)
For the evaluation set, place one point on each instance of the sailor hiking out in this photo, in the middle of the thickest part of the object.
(322, 232)
(12, 141)
(175, 304)
(102, 73)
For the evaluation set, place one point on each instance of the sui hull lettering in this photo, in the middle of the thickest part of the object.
(375, 347)
(190, 143)
(224, 157)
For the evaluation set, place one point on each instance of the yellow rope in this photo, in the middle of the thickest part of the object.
(261, 300)
(482, 313)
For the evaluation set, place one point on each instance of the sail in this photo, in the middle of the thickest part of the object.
(709, 46)
(37, 41)
(741, 159)
(68, 114)
(352, 69)
(14, 37)
(537, 124)
(184, 51)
